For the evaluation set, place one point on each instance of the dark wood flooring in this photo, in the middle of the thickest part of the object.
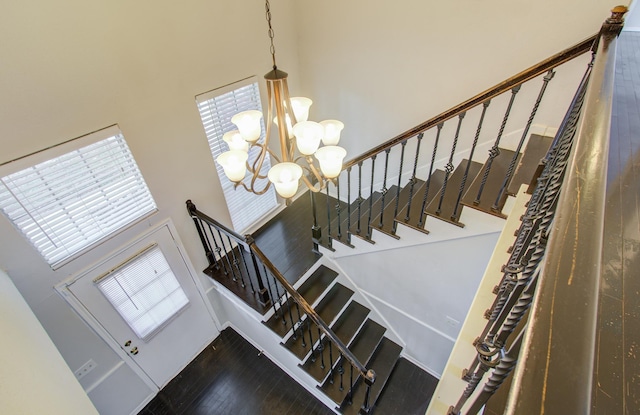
(617, 370)
(231, 377)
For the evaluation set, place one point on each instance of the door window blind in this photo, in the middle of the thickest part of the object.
(69, 202)
(144, 291)
(216, 109)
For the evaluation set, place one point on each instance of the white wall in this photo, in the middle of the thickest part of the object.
(383, 67)
(72, 67)
(34, 378)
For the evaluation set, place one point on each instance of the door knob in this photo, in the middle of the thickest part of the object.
(127, 343)
(134, 351)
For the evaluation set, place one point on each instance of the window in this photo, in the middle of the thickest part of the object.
(144, 291)
(67, 198)
(216, 109)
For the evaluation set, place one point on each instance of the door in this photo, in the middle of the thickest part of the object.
(146, 299)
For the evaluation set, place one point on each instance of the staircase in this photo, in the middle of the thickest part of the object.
(336, 340)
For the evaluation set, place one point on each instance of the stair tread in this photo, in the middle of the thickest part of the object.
(382, 362)
(311, 289)
(328, 308)
(451, 193)
(437, 178)
(345, 328)
(362, 347)
(537, 147)
(492, 187)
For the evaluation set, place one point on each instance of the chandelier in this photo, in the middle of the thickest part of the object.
(299, 140)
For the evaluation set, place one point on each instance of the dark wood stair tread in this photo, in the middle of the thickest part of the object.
(328, 308)
(382, 362)
(363, 347)
(437, 178)
(537, 147)
(311, 289)
(345, 328)
(498, 170)
(451, 193)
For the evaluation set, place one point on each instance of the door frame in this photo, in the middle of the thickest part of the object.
(77, 306)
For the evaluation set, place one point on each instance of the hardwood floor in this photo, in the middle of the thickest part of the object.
(231, 377)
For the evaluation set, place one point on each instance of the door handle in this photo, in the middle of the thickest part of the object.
(134, 351)
(127, 343)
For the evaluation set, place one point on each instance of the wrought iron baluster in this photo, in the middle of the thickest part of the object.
(341, 372)
(316, 231)
(331, 375)
(206, 245)
(485, 105)
(413, 180)
(321, 349)
(216, 250)
(384, 185)
(548, 77)
(226, 255)
(278, 297)
(425, 196)
(350, 394)
(349, 204)
(236, 262)
(313, 352)
(303, 343)
(449, 167)
(366, 408)
(373, 170)
(397, 204)
(338, 208)
(495, 150)
(360, 199)
(329, 237)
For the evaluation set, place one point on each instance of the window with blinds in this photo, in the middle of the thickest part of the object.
(144, 291)
(216, 109)
(67, 198)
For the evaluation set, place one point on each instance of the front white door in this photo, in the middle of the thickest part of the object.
(146, 299)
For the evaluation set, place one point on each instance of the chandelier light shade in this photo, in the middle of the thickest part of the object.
(300, 139)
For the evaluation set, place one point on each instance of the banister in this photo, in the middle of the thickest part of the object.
(530, 73)
(368, 375)
(249, 243)
(555, 371)
(241, 240)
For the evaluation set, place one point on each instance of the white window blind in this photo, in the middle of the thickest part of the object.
(144, 291)
(66, 203)
(216, 109)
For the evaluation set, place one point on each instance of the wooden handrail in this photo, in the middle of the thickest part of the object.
(368, 375)
(555, 371)
(530, 73)
(196, 213)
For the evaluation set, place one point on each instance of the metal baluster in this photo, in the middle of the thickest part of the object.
(316, 231)
(273, 298)
(263, 294)
(321, 348)
(236, 263)
(495, 150)
(394, 227)
(329, 237)
(191, 208)
(226, 255)
(412, 181)
(360, 199)
(485, 105)
(313, 352)
(427, 185)
(278, 297)
(349, 204)
(244, 261)
(216, 250)
(338, 209)
(341, 371)
(449, 166)
(331, 376)
(304, 343)
(373, 170)
(369, 382)
(485, 363)
(350, 395)
(548, 77)
(384, 185)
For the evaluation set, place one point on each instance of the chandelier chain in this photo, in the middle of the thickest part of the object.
(267, 7)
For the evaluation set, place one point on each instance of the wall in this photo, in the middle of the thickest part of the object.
(72, 67)
(383, 67)
(34, 377)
